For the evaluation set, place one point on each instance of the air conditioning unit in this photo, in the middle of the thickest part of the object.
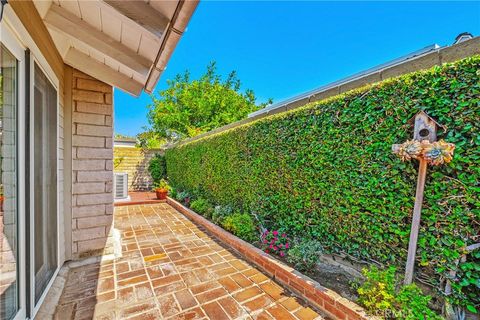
(120, 186)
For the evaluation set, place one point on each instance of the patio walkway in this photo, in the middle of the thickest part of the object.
(171, 269)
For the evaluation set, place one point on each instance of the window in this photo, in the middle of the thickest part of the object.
(44, 181)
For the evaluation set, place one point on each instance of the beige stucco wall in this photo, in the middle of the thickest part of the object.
(134, 161)
(92, 164)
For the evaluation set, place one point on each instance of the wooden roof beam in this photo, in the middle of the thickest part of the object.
(68, 23)
(93, 68)
(142, 14)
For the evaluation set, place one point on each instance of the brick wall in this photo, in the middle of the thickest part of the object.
(92, 164)
(134, 161)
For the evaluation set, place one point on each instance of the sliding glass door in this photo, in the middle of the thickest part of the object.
(9, 228)
(45, 235)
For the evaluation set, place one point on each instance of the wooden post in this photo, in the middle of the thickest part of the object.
(412, 245)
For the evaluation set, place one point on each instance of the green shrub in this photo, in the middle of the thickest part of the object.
(173, 193)
(378, 293)
(241, 225)
(220, 213)
(412, 304)
(157, 168)
(202, 206)
(378, 290)
(304, 254)
(182, 196)
(326, 171)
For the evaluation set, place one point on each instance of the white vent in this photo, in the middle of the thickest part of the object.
(120, 185)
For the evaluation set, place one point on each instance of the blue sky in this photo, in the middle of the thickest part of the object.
(281, 49)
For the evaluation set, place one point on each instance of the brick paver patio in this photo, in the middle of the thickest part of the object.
(171, 269)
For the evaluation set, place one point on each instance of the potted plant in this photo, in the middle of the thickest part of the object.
(161, 189)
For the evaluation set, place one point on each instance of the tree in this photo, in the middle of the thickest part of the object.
(149, 140)
(190, 107)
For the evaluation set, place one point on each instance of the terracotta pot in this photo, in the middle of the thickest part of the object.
(161, 194)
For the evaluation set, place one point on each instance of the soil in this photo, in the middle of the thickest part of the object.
(337, 279)
(333, 278)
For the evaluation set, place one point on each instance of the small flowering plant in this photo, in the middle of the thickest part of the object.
(275, 242)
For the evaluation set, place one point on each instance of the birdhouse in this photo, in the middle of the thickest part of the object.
(425, 128)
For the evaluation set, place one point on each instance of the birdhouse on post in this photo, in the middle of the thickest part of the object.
(427, 150)
(425, 127)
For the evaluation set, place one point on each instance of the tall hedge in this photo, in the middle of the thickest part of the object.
(326, 170)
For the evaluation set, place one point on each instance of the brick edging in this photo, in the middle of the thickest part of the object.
(324, 299)
(139, 202)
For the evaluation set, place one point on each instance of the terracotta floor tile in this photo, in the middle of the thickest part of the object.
(214, 311)
(306, 314)
(231, 307)
(272, 289)
(280, 313)
(168, 306)
(172, 269)
(138, 309)
(258, 303)
(169, 288)
(247, 294)
(291, 304)
(241, 280)
(166, 280)
(185, 299)
(259, 278)
(205, 287)
(229, 284)
(211, 295)
(193, 314)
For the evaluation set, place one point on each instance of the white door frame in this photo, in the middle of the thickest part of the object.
(54, 81)
(20, 40)
(9, 41)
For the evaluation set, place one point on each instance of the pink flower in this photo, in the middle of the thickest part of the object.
(275, 248)
(284, 235)
(287, 245)
(275, 239)
(272, 241)
(280, 245)
(282, 253)
(265, 241)
(271, 246)
(267, 251)
(275, 233)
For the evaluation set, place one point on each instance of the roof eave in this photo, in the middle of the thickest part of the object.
(174, 32)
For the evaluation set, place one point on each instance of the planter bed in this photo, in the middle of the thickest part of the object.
(320, 297)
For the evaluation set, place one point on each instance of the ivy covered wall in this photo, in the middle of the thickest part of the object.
(327, 171)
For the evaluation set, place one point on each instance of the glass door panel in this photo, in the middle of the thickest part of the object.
(44, 181)
(9, 290)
